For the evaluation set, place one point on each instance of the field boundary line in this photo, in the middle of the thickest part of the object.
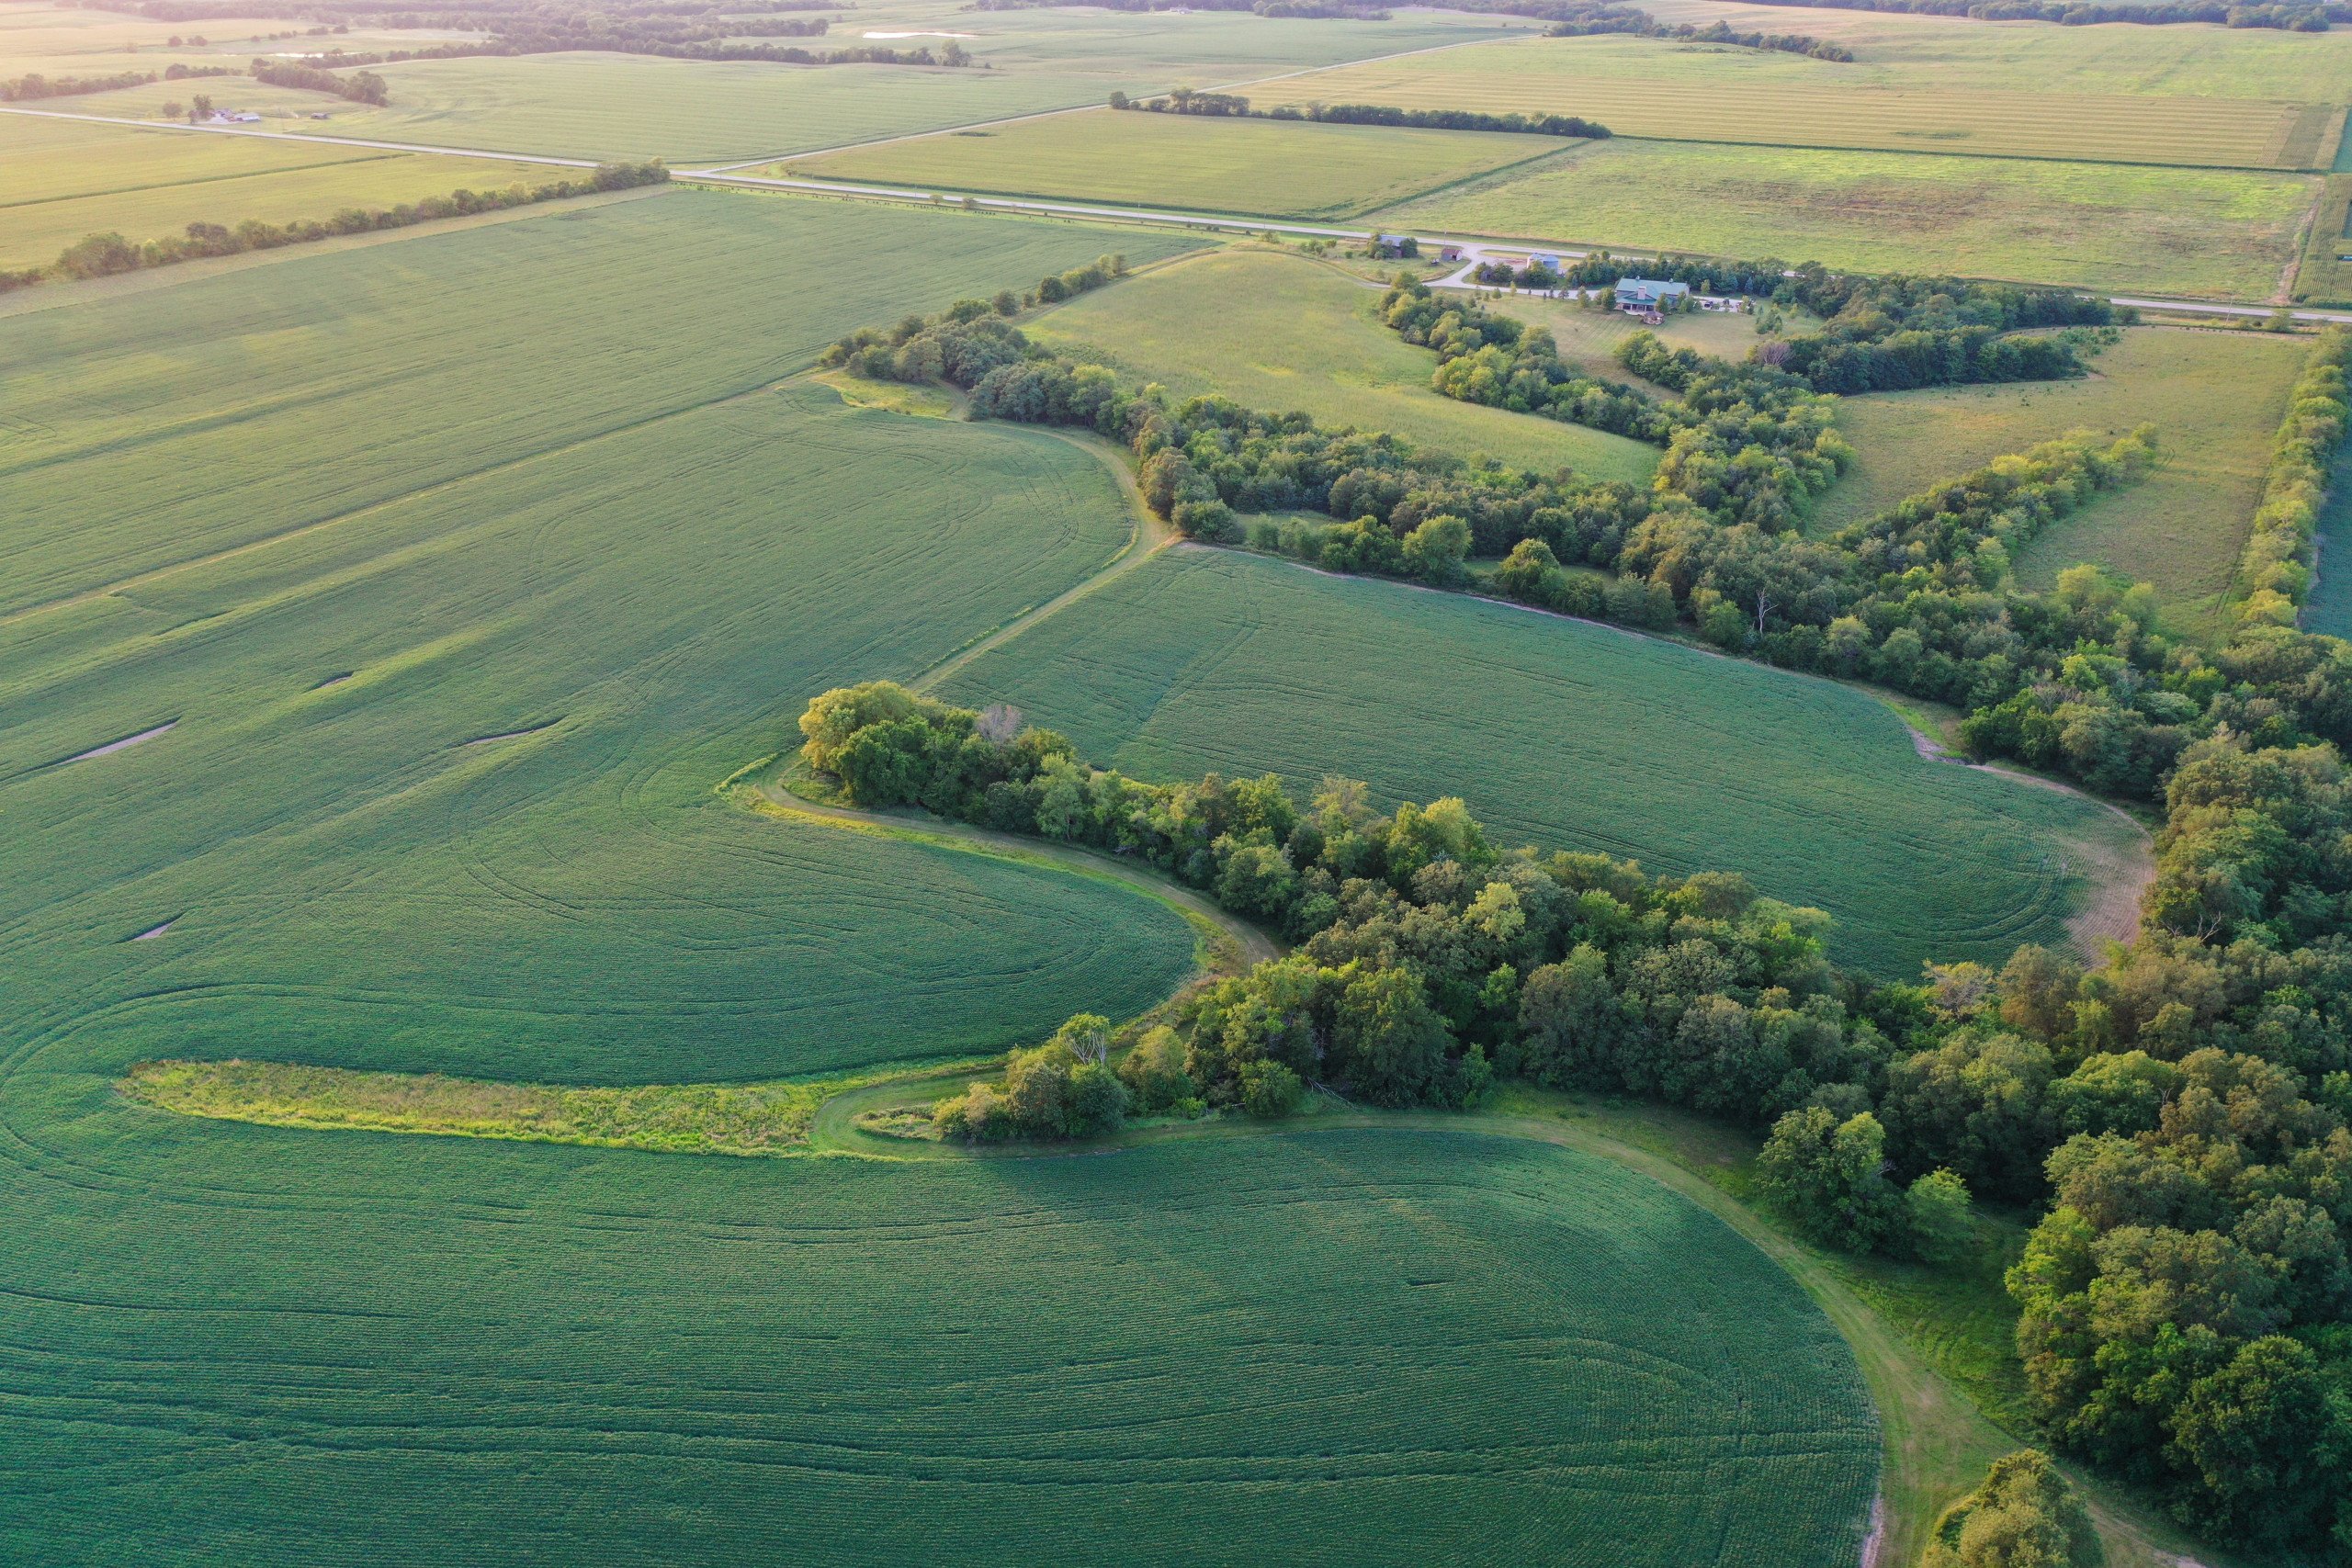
(66, 293)
(872, 141)
(305, 137)
(370, 156)
(301, 530)
(1147, 536)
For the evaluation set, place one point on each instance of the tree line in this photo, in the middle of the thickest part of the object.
(33, 84)
(360, 86)
(103, 255)
(1188, 101)
(2078, 679)
(2180, 1114)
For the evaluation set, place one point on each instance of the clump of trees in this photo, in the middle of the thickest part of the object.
(1064, 1088)
(962, 343)
(1828, 1176)
(2026, 1515)
(103, 255)
(359, 87)
(1747, 443)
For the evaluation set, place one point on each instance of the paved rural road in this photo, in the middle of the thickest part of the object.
(1222, 221)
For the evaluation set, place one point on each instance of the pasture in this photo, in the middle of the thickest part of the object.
(2187, 232)
(1689, 92)
(2215, 399)
(1278, 331)
(695, 111)
(1564, 734)
(1253, 167)
(71, 178)
(1589, 339)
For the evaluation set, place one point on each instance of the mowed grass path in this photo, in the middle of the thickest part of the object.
(1653, 87)
(2190, 232)
(2215, 398)
(1564, 734)
(68, 179)
(1254, 167)
(1281, 331)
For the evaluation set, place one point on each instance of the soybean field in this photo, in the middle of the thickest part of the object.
(1671, 91)
(1584, 736)
(1254, 167)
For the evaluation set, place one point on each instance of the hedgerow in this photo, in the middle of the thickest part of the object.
(104, 255)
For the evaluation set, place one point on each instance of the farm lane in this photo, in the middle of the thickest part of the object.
(1474, 251)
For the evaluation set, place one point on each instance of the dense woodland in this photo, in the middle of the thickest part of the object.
(2177, 1115)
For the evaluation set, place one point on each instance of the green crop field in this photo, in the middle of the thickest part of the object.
(58, 41)
(378, 624)
(1338, 1348)
(2190, 60)
(1585, 737)
(1653, 87)
(2215, 398)
(146, 491)
(450, 691)
(612, 106)
(1255, 167)
(2192, 232)
(1281, 331)
(1161, 49)
(70, 178)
